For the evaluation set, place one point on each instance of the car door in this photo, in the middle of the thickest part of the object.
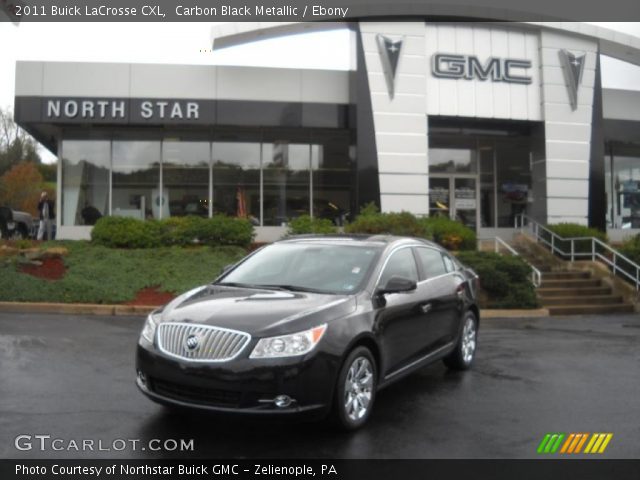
(398, 315)
(456, 284)
(438, 288)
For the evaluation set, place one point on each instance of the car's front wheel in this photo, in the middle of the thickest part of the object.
(462, 356)
(356, 389)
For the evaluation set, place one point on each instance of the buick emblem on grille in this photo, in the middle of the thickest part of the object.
(191, 343)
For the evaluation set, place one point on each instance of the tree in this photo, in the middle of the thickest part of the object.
(20, 187)
(16, 145)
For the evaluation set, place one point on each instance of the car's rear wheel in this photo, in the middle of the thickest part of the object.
(356, 389)
(465, 351)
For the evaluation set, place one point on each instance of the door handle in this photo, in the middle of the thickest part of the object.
(425, 307)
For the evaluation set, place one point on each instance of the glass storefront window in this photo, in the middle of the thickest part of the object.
(513, 181)
(622, 177)
(452, 160)
(286, 182)
(502, 166)
(185, 177)
(236, 179)
(332, 176)
(487, 187)
(136, 180)
(268, 182)
(85, 181)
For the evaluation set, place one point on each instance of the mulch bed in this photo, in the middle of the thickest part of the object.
(50, 269)
(151, 296)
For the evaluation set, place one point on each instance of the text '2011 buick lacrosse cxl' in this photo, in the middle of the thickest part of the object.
(311, 325)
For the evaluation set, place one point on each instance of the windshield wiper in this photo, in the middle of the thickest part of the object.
(297, 288)
(250, 285)
(284, 288)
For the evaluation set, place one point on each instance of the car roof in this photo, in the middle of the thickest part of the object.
(357, 239)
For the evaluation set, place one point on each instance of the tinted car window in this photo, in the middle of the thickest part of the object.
(401, 264)
(449, 264)
(432, 262)
(314, 266)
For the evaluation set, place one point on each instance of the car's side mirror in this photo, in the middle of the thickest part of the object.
(397, 284)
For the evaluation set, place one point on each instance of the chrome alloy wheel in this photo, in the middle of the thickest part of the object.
(358, 388)
(468, 340)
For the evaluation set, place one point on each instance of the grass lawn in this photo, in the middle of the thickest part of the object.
(104, 275)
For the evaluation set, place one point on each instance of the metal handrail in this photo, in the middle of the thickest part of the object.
(536, 275)
(612, 260)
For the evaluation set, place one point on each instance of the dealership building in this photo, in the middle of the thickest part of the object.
(479, 121)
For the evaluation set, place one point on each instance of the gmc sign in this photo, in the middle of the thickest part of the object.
(469, 67)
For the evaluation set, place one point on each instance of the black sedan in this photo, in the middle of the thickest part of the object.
(312, 325)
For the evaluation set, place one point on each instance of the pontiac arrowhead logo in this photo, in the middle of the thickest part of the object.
(573, 68)
(389, 55)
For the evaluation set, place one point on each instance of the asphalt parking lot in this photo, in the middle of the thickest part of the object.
(72, 377)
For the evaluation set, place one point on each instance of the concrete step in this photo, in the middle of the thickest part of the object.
(544, 268)
(590, 309)
(570, 283)
(568, 275)
(586, 300)
(572, 292)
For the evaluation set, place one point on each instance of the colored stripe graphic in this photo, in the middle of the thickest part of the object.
(572, 443)
(598, 443)
(551, 442)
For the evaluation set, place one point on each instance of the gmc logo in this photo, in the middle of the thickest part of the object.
(469, 67)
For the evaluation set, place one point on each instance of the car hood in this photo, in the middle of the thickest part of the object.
(259, 312)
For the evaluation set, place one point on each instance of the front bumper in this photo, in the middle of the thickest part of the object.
(241, 386)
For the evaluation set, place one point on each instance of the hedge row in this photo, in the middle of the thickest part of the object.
(122, 232)
(305, 224)
(631, 248)
(449, 233)
(574, 230)
(504, 279)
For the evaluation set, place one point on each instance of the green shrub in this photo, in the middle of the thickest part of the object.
(373, 222)
(630, 248)
(223, 230)
(504, 279)
(121, 232)
(305, 224)
(573, 230)
(181, 230)
(451, 234)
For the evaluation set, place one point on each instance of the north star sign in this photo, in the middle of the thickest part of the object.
(469, 67)
(116, 109)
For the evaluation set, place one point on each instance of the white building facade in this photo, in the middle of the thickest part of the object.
(476, 121)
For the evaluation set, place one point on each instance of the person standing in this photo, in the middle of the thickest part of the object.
(45, 207)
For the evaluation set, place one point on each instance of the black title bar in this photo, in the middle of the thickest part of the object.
(319, 469)
(313, 10)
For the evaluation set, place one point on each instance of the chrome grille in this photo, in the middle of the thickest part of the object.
(200, 343)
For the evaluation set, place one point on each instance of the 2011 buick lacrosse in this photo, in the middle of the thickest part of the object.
(311, 325)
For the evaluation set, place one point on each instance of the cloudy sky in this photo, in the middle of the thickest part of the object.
(188, 43)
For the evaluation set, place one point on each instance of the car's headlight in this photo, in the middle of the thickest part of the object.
(149, 329)
(289, 345)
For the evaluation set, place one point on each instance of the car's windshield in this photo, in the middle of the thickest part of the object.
(315, 267)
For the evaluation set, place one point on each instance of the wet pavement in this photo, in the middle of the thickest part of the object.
(72, 377)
